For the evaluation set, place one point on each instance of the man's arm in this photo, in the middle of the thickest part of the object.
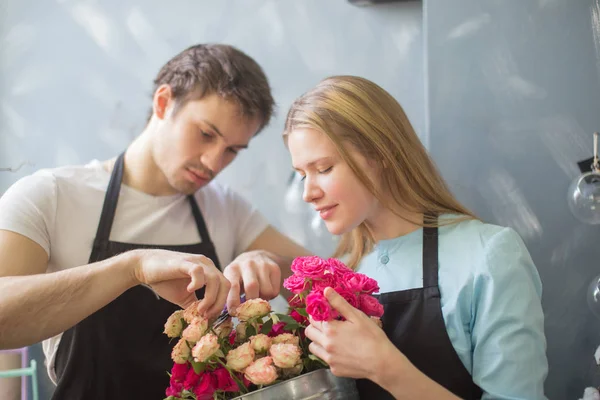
(261, 269)
(35, 305)
(283, 249)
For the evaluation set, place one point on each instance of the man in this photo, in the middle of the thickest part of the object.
(86, 251)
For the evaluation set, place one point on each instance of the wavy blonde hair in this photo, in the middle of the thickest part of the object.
(355, 111)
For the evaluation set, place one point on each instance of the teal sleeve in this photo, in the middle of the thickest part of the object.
(507, 326)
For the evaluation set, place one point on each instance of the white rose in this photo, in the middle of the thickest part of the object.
(252, 308)
(261, 371)
(240, 357)
(180, 352)
(285, 355)
(206, 347)
(195, 330)
(260, 343)
(286, 338)
(174, 324)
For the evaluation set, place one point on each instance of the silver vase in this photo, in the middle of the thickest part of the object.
(319, 384)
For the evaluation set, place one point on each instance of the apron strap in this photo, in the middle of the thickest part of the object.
(430, 256)
(200, 224)
(110, 205)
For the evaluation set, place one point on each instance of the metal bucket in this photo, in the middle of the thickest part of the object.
(319, 384)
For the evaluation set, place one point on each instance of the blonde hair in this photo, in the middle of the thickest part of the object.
(355, 111)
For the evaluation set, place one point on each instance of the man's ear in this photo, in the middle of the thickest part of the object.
(163, 101)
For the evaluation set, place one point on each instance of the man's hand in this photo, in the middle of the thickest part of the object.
(176, 276)
(257, 272)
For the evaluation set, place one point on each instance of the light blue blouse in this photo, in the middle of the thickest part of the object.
(491, 301)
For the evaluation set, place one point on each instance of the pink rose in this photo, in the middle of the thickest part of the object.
(348, 295)
(277, 329)
(370, 306)
(252, 308)
(287, 338)
(318, 307)
(179, 371)
(285, 355)
(260, 343)
(295, 284)
(240, 357)
(191, 379)
(195, 330)
(360, 283)
(206, 347)
(224, 380)
(309, 267)
(261, 371)
(338, 268)
(181, 352)
(301, 319)
(295, 301)
(324, 281)
(206, 387)
(174, 324)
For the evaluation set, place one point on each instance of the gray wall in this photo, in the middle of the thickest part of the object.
(514, 97)
(75, 77)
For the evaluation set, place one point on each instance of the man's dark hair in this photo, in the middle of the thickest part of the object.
(206, 69)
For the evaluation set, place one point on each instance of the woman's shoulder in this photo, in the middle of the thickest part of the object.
(489, 246)
(476, 234)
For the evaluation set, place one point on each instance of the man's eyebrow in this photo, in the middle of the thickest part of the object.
(218, 132)
(213, 127)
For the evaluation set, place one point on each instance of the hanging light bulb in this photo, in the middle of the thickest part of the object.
(584, 192)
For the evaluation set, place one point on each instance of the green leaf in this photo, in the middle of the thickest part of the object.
(199, 367)
(275, 318)
(250, 330)
(302, 311)
(287, 319)
(267, 326)
(219, 353)
(315, 358)
(291, 327)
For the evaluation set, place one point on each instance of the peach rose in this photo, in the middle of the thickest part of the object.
(261, 371)
(206, 347)
(286, 338)
(260, 343)
(174, 324)
(180, 352)
(224, 328)
(285, 355)
(191, 312)
(240, 357)
(195, 330)
(252, 308)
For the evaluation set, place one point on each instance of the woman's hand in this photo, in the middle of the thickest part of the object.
(354, 348)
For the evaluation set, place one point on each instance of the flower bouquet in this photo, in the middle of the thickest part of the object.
(217, 360)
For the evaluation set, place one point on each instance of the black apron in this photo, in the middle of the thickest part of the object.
(120, 351)
(414, 322)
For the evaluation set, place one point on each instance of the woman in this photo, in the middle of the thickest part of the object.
(463, 315)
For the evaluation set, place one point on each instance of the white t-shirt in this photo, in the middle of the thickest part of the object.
(60, 210)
